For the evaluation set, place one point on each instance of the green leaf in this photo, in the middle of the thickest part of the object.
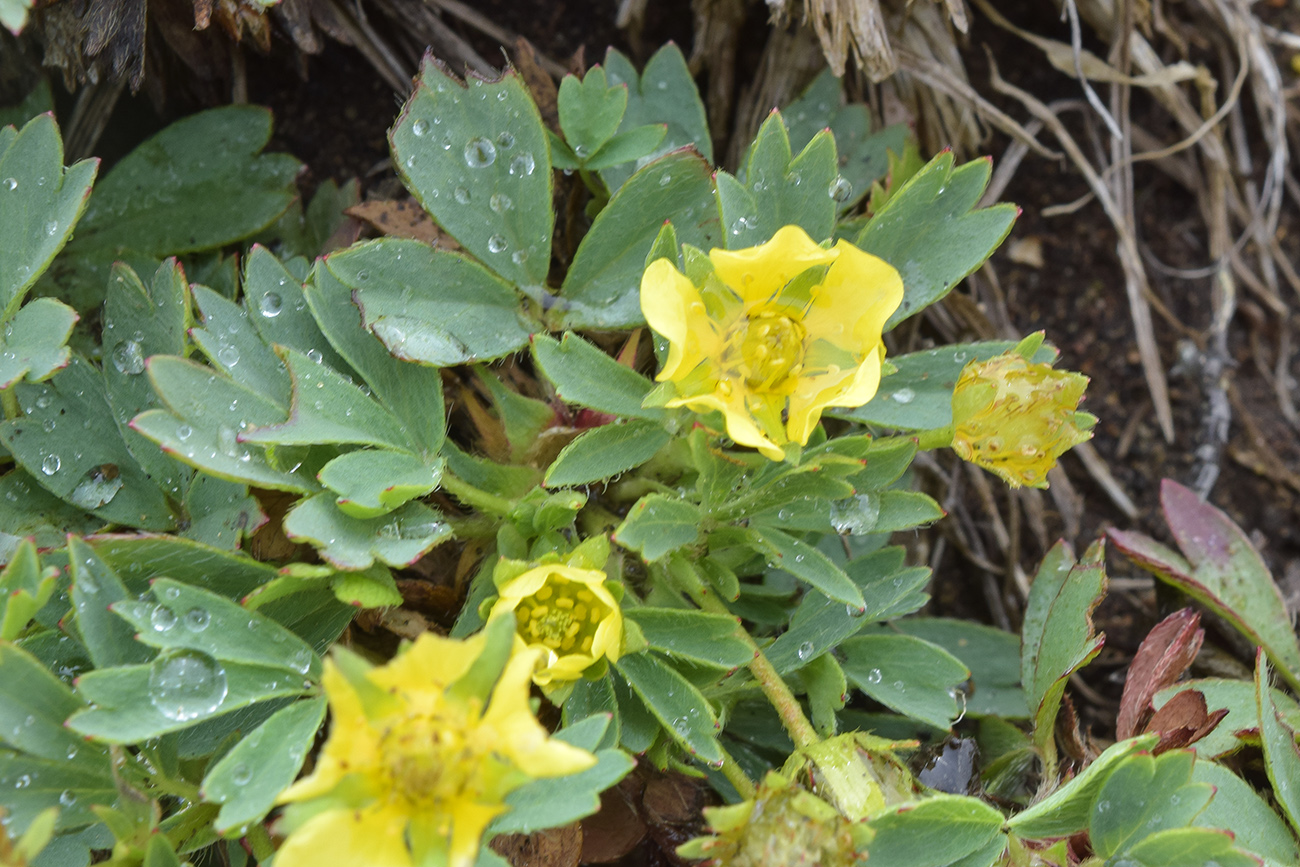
(583, 374)
(664, 92)
(34, 344)
(370, 588)
(95, 589)
(821, 623)
(555, 801)
(1222, 570)
(66, 438)
(35, 705)
(140, 322)
(1188, 847)
(864, 155)
(221, 512)
(28, 510)
(474, 153)
(808, 564)
(828, 690)
(918, 396)
(606, 451)
(675, 702)
(590, 111)
(412, 392)
(657, 525)
(159, 852)
(32, 785)
(628, 146)
(602, 288)
(992, 655)
(399, 538)
(248, 779)
(39, 99)
(594, 698)
(936, 832)
(206, 413)
(780, 189)
(905, 510)
(374, 482)
(1281, 757)
(1238, 808)
(930, 231)
(200, 184)
(328, 408)
(1057, 637)
(235, 347)
(139, 559)
(1143, 794)
(705, 638)
(914, 677)
(24, 589)
(431, 306)
(277, 308)
(40, 203)
(1066, 811)
(190, 618)
(1237, 697)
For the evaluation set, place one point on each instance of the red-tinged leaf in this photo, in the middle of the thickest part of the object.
(1222, 571)
(1183, 720)
(1162, 658)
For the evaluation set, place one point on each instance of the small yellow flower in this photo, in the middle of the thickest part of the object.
(415, 766)
(773, 334)
(1015, 418)
(567, 614)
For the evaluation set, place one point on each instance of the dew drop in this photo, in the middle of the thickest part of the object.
(228, 355)
(186, 684)
(874, 676)
(480, 153)
(44, 401)
(50, 465)
(505, 141)
(522, 165)
(67, 798)
(420, 127)
(461, 195)
(500, 203)
(241, 774)
(841, 190)
(805, 650)
(315, 355)
(665, 179)
(519, 257)
(904, 395)
(11, 184)
(162, 619)
(184, 432)
(52, 228)
(128, 358)
(497, 244)
(197, 619)
(271, 304)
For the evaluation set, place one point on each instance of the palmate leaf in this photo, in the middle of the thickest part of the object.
(474, 153)
(199, 184)
(40, 202)
(931, 232)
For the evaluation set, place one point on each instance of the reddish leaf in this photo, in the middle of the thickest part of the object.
(1165, 654)
(1183, 720)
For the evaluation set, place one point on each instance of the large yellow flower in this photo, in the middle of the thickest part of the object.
(415, 766)
(772, 335)
(567, 615)
(1015, 417)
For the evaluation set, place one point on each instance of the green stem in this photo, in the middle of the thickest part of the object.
(260, 841)
(472, 496)
(927, 440)
(774, 687)
(736, 775)
(473, 527)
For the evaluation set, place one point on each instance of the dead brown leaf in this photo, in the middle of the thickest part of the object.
(540, 84)
(402, 218)
(1183, 720)
(616, 829)
(554, 847)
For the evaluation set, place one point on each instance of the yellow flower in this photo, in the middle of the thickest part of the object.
(1015, 418)
(565, 613)
(415, 766)
(772, 335)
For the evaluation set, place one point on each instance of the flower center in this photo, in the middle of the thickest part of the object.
(427, 759)
(764, 350)
(562, 615)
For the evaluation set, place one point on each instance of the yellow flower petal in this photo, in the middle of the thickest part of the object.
(467, 827)
(373, 837)
(668, 302)
(351, 743)
(757, 274)
(520, 735)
